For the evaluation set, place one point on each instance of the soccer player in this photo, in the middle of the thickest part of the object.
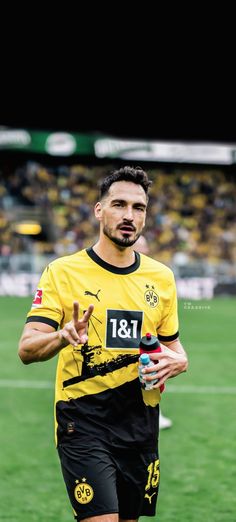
(92, 309)
(141, 246)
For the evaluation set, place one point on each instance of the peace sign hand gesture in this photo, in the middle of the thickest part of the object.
(75, 332)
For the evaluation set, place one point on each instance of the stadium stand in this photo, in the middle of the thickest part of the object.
(191, 225)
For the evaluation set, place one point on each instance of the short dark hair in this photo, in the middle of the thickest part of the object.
(134, 174)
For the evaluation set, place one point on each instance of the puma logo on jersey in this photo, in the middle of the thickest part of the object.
(87, 292)
(149, 497)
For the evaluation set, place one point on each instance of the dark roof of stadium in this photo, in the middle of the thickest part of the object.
(158, 124)
(128, 131)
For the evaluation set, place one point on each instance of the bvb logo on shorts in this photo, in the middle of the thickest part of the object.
(83, 492)
(151, 296)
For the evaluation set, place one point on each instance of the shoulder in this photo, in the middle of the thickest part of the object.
(148, 263)
(66, 262)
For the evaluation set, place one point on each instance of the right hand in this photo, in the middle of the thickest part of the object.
(75, 332)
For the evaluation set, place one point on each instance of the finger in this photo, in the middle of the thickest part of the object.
(71, 337)
(152, 369)
(83, 339)
(70, 333)
(70, 328)
(75, 314)
(162, 380)
(157, 355)
(150, 377)
(88, 314)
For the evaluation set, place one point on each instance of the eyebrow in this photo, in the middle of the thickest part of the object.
(117, 200)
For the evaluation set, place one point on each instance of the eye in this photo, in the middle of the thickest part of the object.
(140, 209)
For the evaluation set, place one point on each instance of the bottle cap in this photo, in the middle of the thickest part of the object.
(144, 358)
(149, 342)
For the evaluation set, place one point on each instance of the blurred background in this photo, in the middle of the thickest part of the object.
(48, 186)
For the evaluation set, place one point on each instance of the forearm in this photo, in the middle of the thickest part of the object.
(39, 341)
(180, 363)
(170, 362)
(177, 347)
(36, 346)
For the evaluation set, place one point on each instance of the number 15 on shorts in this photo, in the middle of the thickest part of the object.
(153, 475)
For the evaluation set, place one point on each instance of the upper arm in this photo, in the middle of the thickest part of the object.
(31, 328)
(39, 342)
(46, 307)
(168, 329)
(40, 327)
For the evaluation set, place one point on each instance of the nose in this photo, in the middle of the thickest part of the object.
(128, 214)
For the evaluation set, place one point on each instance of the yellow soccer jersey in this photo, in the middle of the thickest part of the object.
(97, 387)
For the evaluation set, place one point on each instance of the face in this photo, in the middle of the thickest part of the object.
(122, 213)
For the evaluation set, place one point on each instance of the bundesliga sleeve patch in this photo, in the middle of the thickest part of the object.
(37, 298)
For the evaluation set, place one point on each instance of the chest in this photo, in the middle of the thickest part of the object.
(125, 307)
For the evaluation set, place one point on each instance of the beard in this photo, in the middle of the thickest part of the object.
(124, 242)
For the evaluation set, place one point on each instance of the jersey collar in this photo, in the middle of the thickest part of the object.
(112, 268)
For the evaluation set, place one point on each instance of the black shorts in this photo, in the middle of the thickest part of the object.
(101, 480)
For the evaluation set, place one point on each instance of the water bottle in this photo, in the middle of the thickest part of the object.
(145, 362)
(149, 344)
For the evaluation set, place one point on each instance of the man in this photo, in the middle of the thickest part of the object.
(142, 247)
(106, 424)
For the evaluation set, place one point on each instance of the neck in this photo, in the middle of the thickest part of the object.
(114, 254)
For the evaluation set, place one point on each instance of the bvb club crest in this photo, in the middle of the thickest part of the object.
(151, 296)
(83, 491)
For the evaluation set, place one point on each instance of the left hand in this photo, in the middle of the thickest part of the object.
(169, 364)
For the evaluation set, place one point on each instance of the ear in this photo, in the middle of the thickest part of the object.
(98, 210)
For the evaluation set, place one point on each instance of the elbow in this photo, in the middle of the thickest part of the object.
(24, 355)
(185, 365)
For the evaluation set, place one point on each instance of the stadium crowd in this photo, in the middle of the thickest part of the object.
(192, 216)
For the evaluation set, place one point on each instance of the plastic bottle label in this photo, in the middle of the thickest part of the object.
(146, 385)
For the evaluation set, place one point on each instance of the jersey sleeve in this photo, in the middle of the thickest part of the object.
(169, 326)
(46, 306)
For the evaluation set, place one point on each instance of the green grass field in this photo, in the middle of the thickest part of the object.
(198, 471)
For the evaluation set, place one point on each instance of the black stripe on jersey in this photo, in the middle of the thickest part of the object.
(168, 338)
(112, 268)
(118, 416)
(103, 369)
(46, 320)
